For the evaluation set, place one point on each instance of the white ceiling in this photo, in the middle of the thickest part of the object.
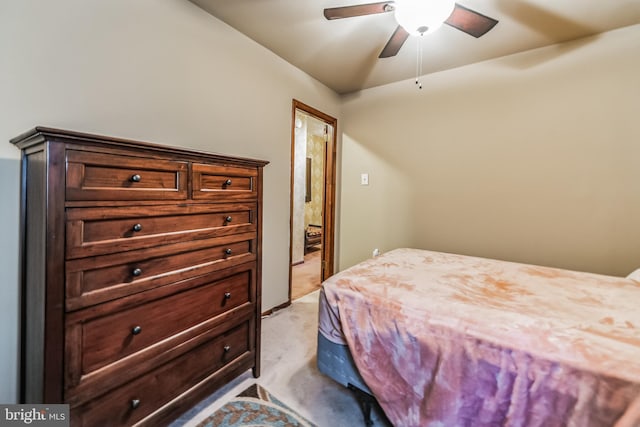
(343, 54)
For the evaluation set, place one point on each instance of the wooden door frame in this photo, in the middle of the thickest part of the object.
(329, 200)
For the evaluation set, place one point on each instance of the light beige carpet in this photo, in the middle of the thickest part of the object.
(289, 372)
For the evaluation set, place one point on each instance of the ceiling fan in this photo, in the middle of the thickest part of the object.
(418, 17)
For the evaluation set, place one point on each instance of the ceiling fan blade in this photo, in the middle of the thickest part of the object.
(358, 10)
(394, 44)
(470, 21)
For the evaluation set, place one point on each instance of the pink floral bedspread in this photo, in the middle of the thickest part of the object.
(450, 340)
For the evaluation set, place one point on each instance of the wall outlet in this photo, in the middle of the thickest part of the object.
(364, 179)
(376, 252)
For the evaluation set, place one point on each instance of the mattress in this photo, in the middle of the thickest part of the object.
(450, 340)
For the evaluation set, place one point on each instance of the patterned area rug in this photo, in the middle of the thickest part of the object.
(255, 407)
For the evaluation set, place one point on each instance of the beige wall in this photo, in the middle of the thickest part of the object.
(160, 71)
(531, 157)
(299, 190)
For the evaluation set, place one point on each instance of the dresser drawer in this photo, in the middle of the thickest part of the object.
(99, 176)
(99, 231)
(94, 280)
(142, 396)
(112, 337)
(217, 182)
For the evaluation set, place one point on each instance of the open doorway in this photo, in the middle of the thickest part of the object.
(313, 157)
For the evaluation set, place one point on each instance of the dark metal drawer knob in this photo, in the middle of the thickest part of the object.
(136, 178)
(227, 348)
(227, 182)
(228, 251)
(136, 330)
(228, 219)
(135, 403)
(137, 227)
(227, 295)
(136, 272)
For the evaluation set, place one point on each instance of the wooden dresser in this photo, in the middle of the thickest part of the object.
(140, 275)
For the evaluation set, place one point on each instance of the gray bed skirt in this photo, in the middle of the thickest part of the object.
(335, 361)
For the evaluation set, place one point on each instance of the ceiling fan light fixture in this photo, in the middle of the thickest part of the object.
(419, 17)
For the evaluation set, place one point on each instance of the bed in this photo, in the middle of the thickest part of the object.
(449, 340)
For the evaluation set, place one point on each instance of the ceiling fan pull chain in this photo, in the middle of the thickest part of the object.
(419, 60)
(421, 43)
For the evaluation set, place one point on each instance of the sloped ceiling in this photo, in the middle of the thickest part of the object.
(343, 54)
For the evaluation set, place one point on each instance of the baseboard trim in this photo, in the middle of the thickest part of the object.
(276, 308)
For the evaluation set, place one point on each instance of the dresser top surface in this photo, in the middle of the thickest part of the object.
(40, 134)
